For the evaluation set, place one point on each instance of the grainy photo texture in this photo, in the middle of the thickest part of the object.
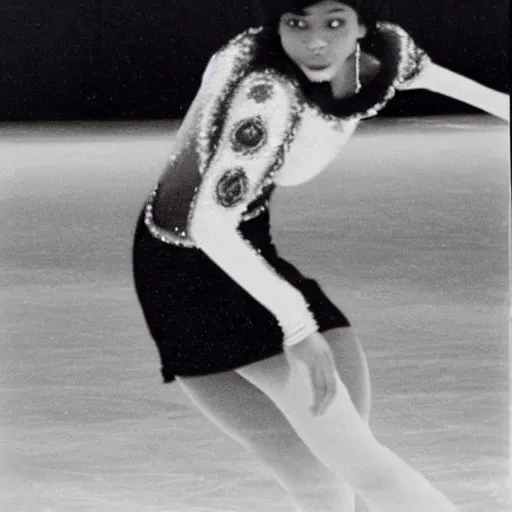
(255, 256)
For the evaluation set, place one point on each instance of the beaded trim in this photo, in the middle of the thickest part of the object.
(241, 52)
(294, 122)
(405, 46)
(250, 215)
(209, 131)
(413, 59)
(179, 238)
(405, 62)
(410, 62)
(242, 47)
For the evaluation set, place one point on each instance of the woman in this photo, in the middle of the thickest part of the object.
(257, 346)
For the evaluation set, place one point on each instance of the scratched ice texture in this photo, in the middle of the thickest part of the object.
(406, 231)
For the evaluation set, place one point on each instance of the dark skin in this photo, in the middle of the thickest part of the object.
(322, 42)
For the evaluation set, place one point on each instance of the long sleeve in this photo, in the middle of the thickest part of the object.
(440, 80)
(177, 172)
(192, 116)
(224, 245)
(418, 71)
(255, 127)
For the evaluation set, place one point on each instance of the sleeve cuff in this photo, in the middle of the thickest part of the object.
(300, 334)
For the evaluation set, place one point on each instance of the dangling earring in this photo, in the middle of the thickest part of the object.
(358, 67)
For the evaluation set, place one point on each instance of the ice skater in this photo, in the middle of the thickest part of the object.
(258, 346)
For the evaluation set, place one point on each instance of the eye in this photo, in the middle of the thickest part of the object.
(336, 23)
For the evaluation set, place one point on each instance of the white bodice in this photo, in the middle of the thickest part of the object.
(316, 144)
(250, 129)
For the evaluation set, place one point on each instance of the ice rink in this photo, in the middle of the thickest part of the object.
(407, 232)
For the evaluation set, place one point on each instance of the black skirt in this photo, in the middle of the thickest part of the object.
(201, 320)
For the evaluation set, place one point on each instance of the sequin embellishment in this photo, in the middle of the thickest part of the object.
(178, 237)
(248, 136)
(414, 60)
(239, 52)
(261, 93)
(232, 188)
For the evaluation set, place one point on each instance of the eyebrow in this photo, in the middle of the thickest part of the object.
(304, 12)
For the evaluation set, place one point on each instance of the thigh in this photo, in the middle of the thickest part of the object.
(350, 363)
(352, 367)
(340, 438)
(250, 417)
(245, 412)
(235, 405)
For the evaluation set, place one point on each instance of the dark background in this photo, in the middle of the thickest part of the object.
(142, 59)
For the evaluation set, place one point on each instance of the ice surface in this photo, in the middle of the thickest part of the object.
(407, 232)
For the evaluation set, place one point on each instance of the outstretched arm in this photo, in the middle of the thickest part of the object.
(438, 79)
(418, 71)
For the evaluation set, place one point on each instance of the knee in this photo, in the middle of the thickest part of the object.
(375, 481)
(378, 478)
(288, 457)
(285, 453)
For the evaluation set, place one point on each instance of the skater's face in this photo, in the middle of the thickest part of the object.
(321, 37)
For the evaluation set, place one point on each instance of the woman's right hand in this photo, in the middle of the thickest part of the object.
(315, 353)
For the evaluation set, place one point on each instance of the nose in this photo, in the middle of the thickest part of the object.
(316, 45)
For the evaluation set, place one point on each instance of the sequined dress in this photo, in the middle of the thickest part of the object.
(214, 291)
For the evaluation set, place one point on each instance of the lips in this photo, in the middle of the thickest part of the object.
(317, 67)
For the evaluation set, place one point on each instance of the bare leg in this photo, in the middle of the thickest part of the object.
(247, 415)
(244, 413)
(352, 367)
(342, 440)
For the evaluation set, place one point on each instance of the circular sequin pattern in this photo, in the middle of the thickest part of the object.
(249, 135)
(232, 188)
(261, 93)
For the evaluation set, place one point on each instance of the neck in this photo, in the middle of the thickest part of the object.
(347, 82)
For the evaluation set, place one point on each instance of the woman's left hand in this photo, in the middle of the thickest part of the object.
(315, 353)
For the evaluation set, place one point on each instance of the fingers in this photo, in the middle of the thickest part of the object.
(319, 387)
(323, 379)
(316, 355)
(330, 378)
